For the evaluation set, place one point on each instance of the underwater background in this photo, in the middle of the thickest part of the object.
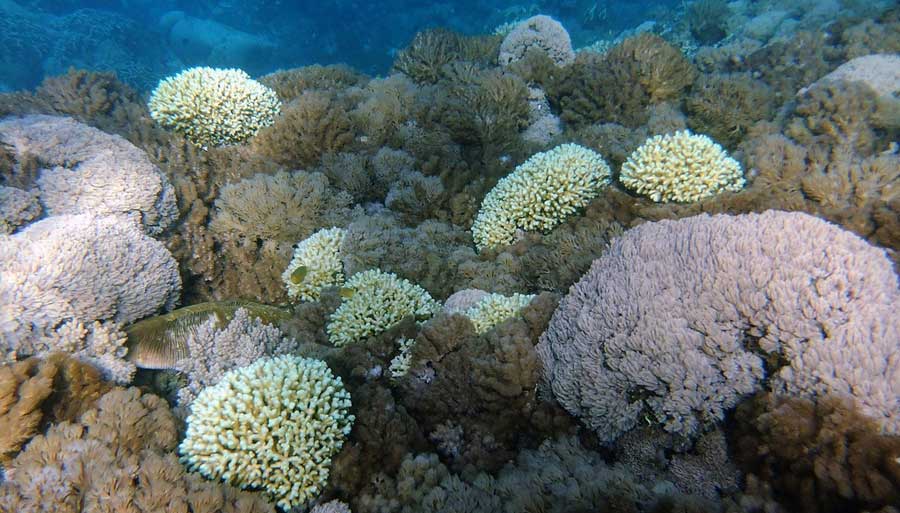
(557, 256)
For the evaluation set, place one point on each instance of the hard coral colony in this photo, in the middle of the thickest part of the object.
(578, 261)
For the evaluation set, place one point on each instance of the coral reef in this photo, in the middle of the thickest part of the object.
(482, 386)
(559, 476)
(160, 342)
(726, 106)
(17, 208)
(274, 424)
(213, 107)
(769, 302)
(213, 349)
(494, 309)
(286, 206)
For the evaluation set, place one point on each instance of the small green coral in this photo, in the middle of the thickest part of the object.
(213, 107)
(316, 264)
(496, 308)
(540, 194)
(374, 302)
(682, 167)
(274, 424)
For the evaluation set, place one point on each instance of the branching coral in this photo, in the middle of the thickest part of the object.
(316, 264)
(286, 206)
(274, 424)
(680, 347)
(681, 167)
(727, 106)
(116, 457)
(494, 309)
(377, 301)
(313, 124)
(540, 194)
(591, 90)
(213, 107)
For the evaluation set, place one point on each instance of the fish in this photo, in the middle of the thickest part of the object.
(298, 274)
(160, 342)
(346, 292)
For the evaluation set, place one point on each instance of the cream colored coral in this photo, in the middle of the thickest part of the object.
(274, 424)
(681, 167)
(540, 194)
(214, 107)
(400, 363)
(376, 301)
(496, 308)
(318, 259)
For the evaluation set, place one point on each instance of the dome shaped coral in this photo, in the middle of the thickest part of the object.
(274, 424)
(214, 107)
(681, 167)
(539, 194)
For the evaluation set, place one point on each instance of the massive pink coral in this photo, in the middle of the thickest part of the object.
(680, 319)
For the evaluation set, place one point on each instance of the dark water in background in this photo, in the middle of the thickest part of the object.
(144, 40)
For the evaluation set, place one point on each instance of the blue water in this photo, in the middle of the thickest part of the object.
(144, 40)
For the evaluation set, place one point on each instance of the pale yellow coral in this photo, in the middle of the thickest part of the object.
(274, 424)
(496, 308)
(213, 107)
(316, 264)
(540, 194)
(374, 302)
(681, 167)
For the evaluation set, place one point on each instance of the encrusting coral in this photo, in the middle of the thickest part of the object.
(70, 282)
(274, 424)
(727, 305)
(540, 194)
(213, 107)
(117, 456)
(86, 171)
